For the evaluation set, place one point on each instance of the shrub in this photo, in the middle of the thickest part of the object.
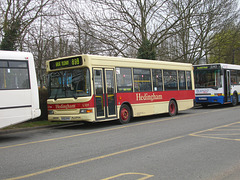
(43, 96)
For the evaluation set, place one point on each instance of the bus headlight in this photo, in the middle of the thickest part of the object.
(50, 112)
(86, 110)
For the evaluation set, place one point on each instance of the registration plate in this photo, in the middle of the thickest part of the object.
(202, 99)
(65, 118)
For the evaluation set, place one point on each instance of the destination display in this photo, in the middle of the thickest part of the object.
(63, 63)
(207, 67)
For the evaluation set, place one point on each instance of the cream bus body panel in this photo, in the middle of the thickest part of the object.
(136, 63)
(185, 104)
(68, 100)
(158, 108)
(149, 108)
(18, 105)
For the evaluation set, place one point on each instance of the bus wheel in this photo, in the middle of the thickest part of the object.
(234, 99)
(172, 109)
(125, 114)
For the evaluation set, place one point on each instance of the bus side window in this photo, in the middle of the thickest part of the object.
(189, 80)
(124, 80)
(182, 80)
(233, 77)
(238, 77)
(157, 80)
(170, 80)
(142, 80)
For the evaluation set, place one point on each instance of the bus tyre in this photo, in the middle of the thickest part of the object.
(172, 109)
(125, 114)
(234, 99)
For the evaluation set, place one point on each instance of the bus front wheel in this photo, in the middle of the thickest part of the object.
(172, 109)
(234, 99)
(125, 114)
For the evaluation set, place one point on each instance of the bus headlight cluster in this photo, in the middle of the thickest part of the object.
(86, 110)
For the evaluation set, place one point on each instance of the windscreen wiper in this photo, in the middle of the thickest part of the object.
(215, 87)
(75, 97)
(55, 97)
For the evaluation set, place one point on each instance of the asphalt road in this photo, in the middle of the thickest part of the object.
(197, 144)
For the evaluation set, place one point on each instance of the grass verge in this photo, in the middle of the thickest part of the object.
(30, 124)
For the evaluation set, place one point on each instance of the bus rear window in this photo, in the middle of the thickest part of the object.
(14, 75)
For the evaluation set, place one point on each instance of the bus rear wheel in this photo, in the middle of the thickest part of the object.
(125, 114)
(204, 105)
(172, 109)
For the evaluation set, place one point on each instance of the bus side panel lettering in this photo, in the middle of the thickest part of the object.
(149, 97)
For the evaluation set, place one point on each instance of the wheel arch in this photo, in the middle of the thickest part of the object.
(235, 93)
(129, 105)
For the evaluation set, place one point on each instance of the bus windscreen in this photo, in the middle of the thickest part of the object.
(209, 78)
(69, 83)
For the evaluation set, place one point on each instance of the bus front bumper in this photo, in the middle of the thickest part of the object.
(72, 118)
(209, 99)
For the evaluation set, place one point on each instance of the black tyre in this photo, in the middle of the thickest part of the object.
(124, 114)
(172, 109)
(204, 105)
(234, 99)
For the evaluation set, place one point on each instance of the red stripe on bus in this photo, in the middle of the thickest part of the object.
(151, 97)
(132, 98)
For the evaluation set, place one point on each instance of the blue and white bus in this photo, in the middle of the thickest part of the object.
(217, 83)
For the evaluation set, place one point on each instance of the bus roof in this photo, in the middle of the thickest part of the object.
(15, 55)
(107, 61)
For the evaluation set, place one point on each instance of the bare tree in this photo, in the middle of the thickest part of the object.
(200, 20)
(122, 25)
(18, 15)
(77, 30)
(47, 40)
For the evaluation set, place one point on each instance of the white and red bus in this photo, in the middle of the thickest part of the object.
(99, 88)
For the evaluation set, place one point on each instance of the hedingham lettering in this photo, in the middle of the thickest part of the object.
(65, 106)
(147, 97)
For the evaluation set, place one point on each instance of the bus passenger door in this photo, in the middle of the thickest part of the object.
(104, 89)
(110, 93)
(99, 93)
(227, 86)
